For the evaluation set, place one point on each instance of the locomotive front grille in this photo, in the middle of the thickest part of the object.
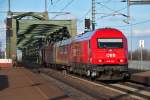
(110, 67)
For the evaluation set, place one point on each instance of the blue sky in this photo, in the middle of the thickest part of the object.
(80, 9)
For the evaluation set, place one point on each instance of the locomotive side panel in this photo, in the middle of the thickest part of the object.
(79, 52)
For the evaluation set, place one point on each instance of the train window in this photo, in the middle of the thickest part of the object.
(110, 43)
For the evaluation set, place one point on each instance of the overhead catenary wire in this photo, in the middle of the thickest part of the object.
(68, 4)
(137, 23)
(106, 1)
(81, 18)
(109, 1)
(114, 11)
(54, 3)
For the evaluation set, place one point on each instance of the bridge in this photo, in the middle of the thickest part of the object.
(27, 31)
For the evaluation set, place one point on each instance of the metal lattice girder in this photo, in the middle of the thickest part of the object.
(38, 15)
(40, 28)
(31, 29)
(30, 41)
(26, 24)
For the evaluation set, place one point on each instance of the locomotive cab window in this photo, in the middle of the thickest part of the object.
(110, 43)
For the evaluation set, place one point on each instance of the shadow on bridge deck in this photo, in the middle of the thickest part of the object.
(3, 82)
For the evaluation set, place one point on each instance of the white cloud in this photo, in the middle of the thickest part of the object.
(2, 32)
(141, 32)
(2, 25)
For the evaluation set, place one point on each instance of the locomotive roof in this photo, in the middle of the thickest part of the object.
(88, 35)
(85, 36)
(79, 37)
(64, 42)
(82, 37)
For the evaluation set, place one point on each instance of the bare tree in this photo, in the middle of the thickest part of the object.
(136, 55)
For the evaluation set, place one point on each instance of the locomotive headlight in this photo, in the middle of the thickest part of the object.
(91, 59)
(100, 60)
(121, 60)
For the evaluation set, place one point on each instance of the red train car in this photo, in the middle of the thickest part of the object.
(100, 54)
(62, 49)
(47, 55)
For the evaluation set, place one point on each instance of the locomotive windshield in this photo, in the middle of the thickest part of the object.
(110, 43)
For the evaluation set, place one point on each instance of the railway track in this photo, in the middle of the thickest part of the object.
(102, 90)
(132, 90)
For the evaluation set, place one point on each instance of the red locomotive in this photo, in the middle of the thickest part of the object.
(100, 54)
